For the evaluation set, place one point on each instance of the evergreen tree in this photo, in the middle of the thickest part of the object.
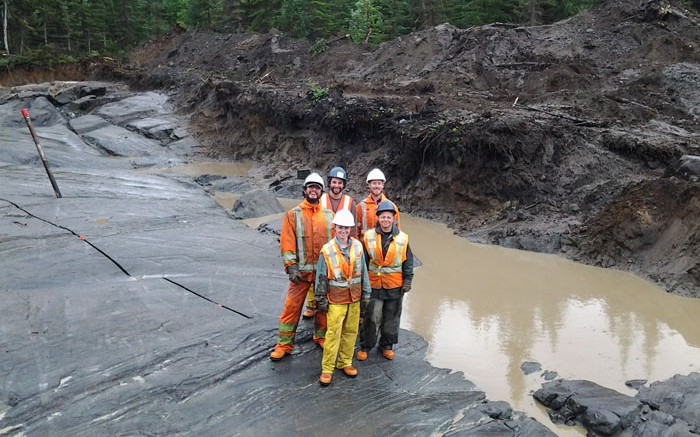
(399, 17)
(115, 26)
(204, 14)
(234, 16)
(366, 24)
(295, 18)
(261, 14)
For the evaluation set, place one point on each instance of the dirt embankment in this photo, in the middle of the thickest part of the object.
(564, 138)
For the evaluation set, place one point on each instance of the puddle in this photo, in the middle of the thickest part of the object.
(230, 169)
(485, 310)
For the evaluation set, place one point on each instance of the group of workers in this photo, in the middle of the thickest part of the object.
(352, 264)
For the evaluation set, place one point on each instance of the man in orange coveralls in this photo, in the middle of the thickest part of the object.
(335, 200)
(305, 229)
(366, 210)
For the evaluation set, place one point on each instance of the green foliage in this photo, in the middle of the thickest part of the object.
(295, 17)
(261, 14)
(204, 14)
(113, 27)
(44, 58)
(316, 93)
(311, 18)
(398, 17)
(366, 23)
(319, 47)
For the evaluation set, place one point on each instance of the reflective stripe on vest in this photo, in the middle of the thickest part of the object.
(345, 202)
(301, 249)
(386, 272)
(363, 208)
(344, 277)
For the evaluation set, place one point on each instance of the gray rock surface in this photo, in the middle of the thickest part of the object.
(134, 305)
(529, 367)
(599, 409)
(678, 396)
(256, 203)
(689, 165)
(668, 408)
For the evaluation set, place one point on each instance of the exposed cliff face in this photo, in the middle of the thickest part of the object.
(564, 138)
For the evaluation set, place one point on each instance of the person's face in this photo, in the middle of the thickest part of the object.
(312, 193)
(342, 232)
(386, 220)
(336, 186)
(376, 187)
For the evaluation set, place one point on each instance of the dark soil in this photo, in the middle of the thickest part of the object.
(563, 138)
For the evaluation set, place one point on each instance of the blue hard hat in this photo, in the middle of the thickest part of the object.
(386, 205)
(338, 173)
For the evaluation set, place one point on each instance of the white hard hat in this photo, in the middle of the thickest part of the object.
(375, 175)
(344, 218)
(314, 178)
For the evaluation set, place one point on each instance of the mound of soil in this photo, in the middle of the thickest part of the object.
(563, 138)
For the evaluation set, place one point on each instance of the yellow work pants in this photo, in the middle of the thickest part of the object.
(341, 334)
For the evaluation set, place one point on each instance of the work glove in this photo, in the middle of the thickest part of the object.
(364, 303)
(406, 287)
(322, 304)
(294, 274)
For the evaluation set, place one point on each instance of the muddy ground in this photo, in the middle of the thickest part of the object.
(565, 138)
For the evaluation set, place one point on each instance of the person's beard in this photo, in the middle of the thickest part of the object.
(313, 201)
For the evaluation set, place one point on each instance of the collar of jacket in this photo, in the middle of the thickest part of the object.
(394, 230)
(370, 199)
(306, 205)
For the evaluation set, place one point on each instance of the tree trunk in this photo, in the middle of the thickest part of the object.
(4, 28)
(427, 12)
(534, 12)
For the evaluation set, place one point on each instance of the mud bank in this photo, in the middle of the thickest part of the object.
(569, 138)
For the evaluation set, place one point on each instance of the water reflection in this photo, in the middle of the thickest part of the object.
(230, 169)
(485, 310)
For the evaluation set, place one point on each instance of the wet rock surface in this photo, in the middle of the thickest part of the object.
(136, 305)
(256, 203)
(667, 408)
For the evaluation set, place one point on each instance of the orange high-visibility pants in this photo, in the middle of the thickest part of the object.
(289, 320)
(343, 325)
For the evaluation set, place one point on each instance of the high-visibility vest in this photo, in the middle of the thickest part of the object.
(367, 214)
(345, 202)
(305, 250)
(344, 277)
(385, 271)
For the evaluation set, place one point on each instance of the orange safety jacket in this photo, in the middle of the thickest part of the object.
(305, 229)
(344, 277)
(367, 214)
(386, 272)
(345, 202)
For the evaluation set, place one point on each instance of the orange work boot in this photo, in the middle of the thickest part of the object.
(361, 355)
(308, 313)
(349, 371)
(388, 354)
(325, 379)
(278, 353)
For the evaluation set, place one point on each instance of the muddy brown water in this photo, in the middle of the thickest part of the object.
(485, 310)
